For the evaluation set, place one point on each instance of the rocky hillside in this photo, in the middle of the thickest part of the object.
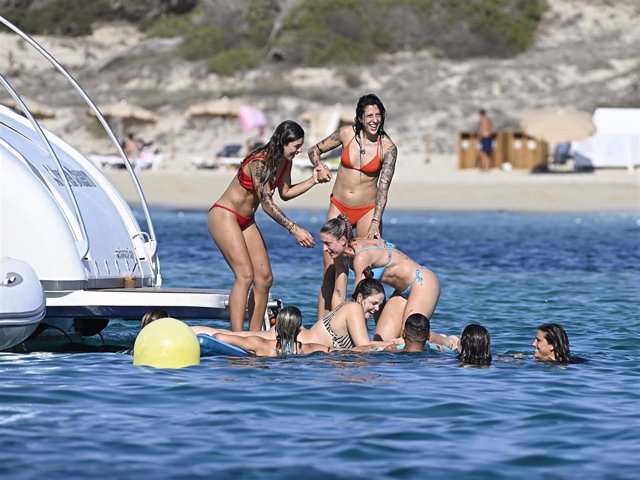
(585, 55)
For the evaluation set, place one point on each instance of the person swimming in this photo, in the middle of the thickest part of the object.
(475, 346)
(552, 344)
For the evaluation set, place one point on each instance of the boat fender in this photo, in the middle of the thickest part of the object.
(166, 343)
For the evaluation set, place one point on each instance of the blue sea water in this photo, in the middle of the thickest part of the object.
(358, 416)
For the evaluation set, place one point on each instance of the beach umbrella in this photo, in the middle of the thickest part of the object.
(127, 112)
(558, 125)
(215, 108)
(38, 110)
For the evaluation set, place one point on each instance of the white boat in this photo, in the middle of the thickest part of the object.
(62, 221)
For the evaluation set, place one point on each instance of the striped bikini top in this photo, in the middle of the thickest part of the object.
(338, 342)
(247, 182)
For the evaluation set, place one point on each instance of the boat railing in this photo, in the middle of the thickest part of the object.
(82, 243)
(143, 203)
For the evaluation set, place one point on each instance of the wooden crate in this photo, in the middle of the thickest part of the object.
(525, 152)
(467, 150)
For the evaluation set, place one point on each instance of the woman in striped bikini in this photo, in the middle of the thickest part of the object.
(362, 183)
(417, 288)
(344, 327)
(231, 219)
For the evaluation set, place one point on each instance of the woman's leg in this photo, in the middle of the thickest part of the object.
(424, 294)
(262, 276)
(423, 299)
(389, 325)
(363, 224)
(226, 233)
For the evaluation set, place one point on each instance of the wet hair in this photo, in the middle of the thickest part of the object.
(364, 102)
(339, 227)
(475, 345)
(368, 286)
(288, 325)
(416, 328)
(152, 315)
(285, 133)
(558, 339)
(482, 111)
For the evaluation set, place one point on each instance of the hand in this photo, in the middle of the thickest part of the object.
(303, 237)
(322, 173)
(374, 231)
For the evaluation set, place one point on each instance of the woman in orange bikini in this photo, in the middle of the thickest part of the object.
(362, 182)
(231, 219)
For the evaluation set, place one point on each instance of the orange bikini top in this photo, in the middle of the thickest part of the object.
(370, 168)
(247, 182)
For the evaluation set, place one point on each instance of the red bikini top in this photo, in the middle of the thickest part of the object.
(247, 182)
(371, 168)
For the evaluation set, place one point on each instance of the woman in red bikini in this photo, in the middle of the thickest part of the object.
(231, 220)
(362, 182)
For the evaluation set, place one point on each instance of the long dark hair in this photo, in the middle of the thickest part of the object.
(287, 132)
(364, 102)
(288, 325)
(339, 227)
(475, 345)
(558, 339)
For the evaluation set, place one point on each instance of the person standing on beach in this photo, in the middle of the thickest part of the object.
(233, 229)
(360, 192)
(485, 137)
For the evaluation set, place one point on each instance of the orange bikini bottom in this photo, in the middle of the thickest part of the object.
(353, 214)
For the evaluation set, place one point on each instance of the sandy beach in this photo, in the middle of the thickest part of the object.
(417, 185)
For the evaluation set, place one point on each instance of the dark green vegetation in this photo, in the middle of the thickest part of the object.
(232, 36)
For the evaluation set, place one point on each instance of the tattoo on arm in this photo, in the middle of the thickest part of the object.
(329, 143)
(257, 172)
(271, 209)
(386, 174)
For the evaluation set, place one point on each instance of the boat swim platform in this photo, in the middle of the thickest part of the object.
(133, 303)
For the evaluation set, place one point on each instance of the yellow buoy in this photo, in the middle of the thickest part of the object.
(166, 343)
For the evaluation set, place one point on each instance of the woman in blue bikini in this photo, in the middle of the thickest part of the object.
(417, 288)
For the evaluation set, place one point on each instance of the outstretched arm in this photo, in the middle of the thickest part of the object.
(288, 191)
(303, 237)
(384, 182)
(357, 324)
(323, 146)
(341, 282)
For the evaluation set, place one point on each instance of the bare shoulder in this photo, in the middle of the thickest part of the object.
(346, 133)
(387, 144)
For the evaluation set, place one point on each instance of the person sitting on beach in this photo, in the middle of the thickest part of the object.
(131, 147)
(475, 346)
(287, 330)
(233, 229)
(417, 288)
(344, 327)
(552, 344)
(367, 165)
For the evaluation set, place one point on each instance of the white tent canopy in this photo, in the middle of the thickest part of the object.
(617, 141)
